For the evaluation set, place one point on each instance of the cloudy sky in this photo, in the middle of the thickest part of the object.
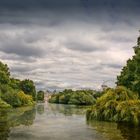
(68, 43)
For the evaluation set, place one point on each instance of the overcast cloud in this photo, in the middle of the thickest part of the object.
(68, 44)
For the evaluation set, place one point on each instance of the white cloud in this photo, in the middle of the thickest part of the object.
(70, 54)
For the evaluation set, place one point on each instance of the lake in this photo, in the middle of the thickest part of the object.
(59, 122)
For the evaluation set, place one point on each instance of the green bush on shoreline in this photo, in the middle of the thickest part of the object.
(79, 97)
(13, 92)
(118, 105)
(40, 96)
(3, 104)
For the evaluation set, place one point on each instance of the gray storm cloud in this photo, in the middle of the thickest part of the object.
(79, 46)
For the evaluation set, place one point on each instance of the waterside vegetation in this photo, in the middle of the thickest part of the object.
(121, 104)
(14, 92)
(78, 97)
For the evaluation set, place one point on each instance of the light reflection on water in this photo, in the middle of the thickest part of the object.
(59, 122)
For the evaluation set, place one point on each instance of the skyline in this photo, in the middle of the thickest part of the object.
(68, 44)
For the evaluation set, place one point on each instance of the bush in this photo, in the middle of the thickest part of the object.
(28, 87)
(4, 79)
(4, 104)
(10, 87)
(79, 97)
(25, 99)
(17, 99)
(119, 105)
(10, 97)
(40, 96)
(54, 98)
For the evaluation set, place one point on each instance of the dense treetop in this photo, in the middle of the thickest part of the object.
(14, 92)
(130, 74)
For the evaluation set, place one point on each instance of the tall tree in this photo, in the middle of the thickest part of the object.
(130, 74)
(28, 87)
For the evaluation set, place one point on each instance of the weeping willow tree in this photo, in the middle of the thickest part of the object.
(118, 105)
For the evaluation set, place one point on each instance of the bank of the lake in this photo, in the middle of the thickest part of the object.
(56, 121)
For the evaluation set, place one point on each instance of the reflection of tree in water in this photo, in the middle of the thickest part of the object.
(40, 109)
(129, 132)
(13, 118)
(122, 131)
(68, 110)
(27, 118)
(107, 129)
(4, 125)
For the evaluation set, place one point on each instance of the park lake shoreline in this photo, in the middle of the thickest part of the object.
(57, 121)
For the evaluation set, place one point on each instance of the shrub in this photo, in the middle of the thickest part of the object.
(25, 99)
(4, 79)
(10, 87)
(54, 98)
(40, 96)
(79, 97)
(3, 104)
(28, 87)
(119, 105)
(10, 97)
(17, 99)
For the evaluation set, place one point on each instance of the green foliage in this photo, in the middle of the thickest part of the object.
(10, 89)
(14, 83)
(4, 79)
(82, 98)
(28, 87)
(119, 105)
(79, 97)
(40, 95)
(4, 104)
(54, 98)
(4, 68)
(25, 99)
(11, 98)
(10, 118)
(130, 74)
(17, 99)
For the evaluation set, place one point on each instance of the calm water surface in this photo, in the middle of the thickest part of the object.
(59, 122)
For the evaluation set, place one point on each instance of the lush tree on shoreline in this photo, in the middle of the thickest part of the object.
(79, 97)
(12, 93)
(40, 95)
(130, 74)
(121, 104)
(28, 87)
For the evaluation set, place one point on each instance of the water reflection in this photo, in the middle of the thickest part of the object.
(54, 122)
(114, 131)
(109, 130)
(67, 110)
(129, 132)
(40, 109)
(15, 117)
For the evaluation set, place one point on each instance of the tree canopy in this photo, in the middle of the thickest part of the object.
(130, 74)
(13, 92)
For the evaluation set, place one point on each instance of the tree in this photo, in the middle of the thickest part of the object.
(14, 83)
(4, 68)
(130, 74)
(4, 79)
(40, 95)
(119, 105)
(28, 87)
